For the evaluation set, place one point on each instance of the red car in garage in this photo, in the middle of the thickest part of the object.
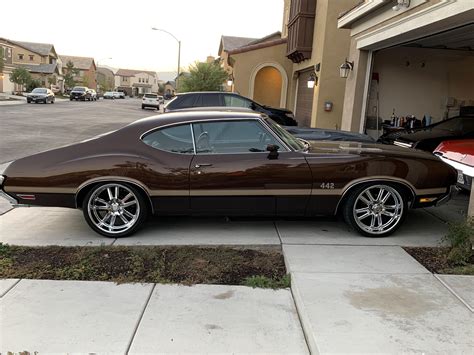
(460, 155)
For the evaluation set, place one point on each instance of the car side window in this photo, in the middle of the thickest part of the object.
(175, 139)
(185, 101)
(231, 137)
(236, 101)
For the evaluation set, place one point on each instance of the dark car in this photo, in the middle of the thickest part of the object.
(41, 95)
(226, 163)
(80, 93)
(428, 138)
(281, 116)
(320, 134)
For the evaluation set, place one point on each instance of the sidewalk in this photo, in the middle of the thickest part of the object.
(101, 317)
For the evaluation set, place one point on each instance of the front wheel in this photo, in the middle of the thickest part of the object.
(375, 210)
(115, 209)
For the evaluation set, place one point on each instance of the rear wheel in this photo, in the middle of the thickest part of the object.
(115, 209)
(375, 210)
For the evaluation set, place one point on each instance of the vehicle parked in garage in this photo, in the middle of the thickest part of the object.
(80, 93)
(319, 134)
(151, 100)
(428, 138)
(93, 95)
(109, 95)
(460, 155)
(43, 95)
(227, 163)
(281, 116)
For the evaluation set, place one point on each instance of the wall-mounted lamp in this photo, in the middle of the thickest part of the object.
(345, 69)
(401, 4)
(312, 80)
(230, 80)
(313, 77)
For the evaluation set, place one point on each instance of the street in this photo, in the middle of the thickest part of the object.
(32, 128)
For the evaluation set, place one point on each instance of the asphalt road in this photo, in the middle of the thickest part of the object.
(32, 128)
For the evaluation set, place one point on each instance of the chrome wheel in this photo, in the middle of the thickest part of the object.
(113, 208)
(378, 209)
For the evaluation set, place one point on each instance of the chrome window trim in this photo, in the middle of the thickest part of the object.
(191, 122)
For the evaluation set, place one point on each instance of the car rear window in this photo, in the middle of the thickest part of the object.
(151, 96)
(183, 101)
(175, 139)
(78, 88)
(208, 100)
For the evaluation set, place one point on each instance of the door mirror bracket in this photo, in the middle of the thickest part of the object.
(273, 151)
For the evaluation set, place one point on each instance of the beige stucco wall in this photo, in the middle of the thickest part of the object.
(417, 89)
(247, 63)
(26, 59)
(267, 88)
(330, 48)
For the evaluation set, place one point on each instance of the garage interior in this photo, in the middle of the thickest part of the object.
(429, 78)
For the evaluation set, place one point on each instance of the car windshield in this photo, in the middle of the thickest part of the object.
(39, 91)
(288, 138)
(79, 88)
(151, 96)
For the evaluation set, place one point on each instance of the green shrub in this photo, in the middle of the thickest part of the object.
(266, 282)
(460, 236)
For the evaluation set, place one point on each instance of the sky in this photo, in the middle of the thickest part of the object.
(121, 30)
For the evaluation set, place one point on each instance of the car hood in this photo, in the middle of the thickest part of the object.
(276, 110)
(429, 133)
(359, 148)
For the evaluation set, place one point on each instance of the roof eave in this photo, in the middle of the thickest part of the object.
(361, 10)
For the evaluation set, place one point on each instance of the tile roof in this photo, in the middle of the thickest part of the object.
(133, 72)
(229, 43)
(40, 48)
(41, 68)
(83, 63)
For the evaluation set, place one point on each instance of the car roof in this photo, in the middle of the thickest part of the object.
(206, 92)
(191, 116)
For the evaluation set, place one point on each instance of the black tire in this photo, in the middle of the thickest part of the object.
(142, 211)
(143, 107)
(376, 209)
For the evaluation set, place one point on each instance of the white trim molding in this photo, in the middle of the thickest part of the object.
(284, 80)
(360, 11)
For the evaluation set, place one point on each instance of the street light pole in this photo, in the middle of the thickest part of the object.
(179, 51)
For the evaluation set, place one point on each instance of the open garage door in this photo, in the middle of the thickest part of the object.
(304, 99)
(424, 81)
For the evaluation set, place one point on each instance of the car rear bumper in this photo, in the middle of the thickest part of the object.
(453, 191)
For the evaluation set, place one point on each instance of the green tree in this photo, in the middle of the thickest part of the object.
(69, 75)
(203, 77)
(52, 80)
(20, 76)
(2, 60)
(33, 84)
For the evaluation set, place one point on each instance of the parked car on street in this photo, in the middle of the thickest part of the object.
(460, 155)
(227, 163)
(151, 100)
(93, 95)
(80, 93)
(428, 138)
(281, 116)
(43, 95)
(121, 94)
(109, 95)
(161, 99)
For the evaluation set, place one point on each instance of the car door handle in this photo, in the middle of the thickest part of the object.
(197, 166)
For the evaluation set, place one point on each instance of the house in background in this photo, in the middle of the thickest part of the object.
(40, 59)
(136, 82)
(6, 51)
(170, 87)
(275, 70)
(86, 69)
(227, 44)
(105, 79)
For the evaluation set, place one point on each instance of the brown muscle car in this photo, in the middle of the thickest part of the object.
(227, 163)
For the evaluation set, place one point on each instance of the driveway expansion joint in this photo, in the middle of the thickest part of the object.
(10, 288)
(140, 319)
(453, 292)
